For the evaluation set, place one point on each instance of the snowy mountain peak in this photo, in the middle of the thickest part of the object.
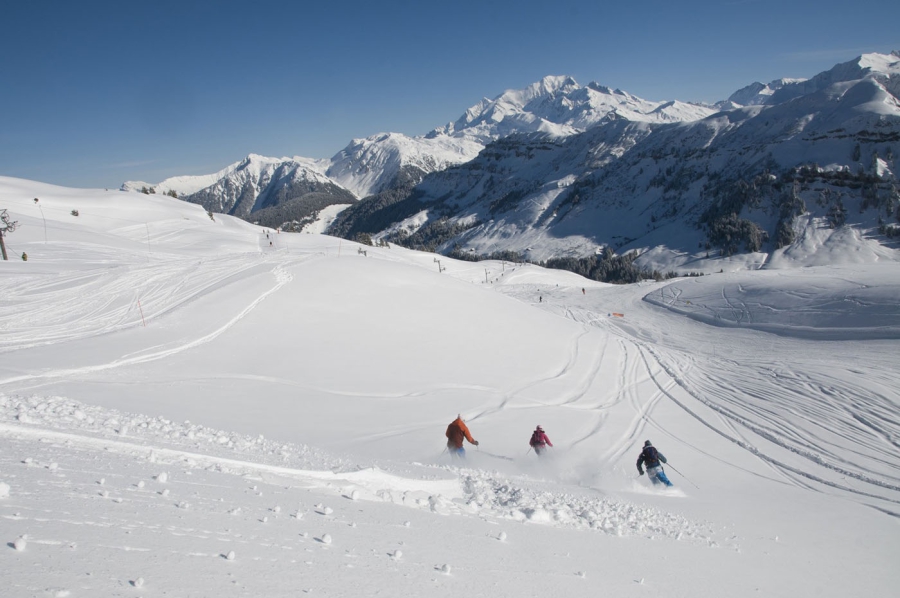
(510, 104)
(606, 90)
(551, 85)
(880, 66)
(253, 167)
(782, 90)
(258, 158)
(559, 106)
(759, 94)
(888, 64)
(370, 165)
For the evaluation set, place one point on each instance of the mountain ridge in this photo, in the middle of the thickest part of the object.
(682, 194)
(369, 165)
(673, 158)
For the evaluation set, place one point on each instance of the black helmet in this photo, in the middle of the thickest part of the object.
(647, 443)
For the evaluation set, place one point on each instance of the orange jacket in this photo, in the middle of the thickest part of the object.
(456, 431)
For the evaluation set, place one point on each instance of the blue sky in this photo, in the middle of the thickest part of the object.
(95, 93)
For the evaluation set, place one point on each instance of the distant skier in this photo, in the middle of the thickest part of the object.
(539, 441)
(653, 459)
(458, 431)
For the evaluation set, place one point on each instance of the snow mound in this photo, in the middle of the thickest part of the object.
(58, 413)
(809, 303)
(507, 499)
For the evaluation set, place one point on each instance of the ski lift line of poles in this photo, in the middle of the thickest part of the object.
(45, 222)
(93, 215)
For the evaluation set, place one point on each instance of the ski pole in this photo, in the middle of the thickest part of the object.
(682, 475)
(529, 450)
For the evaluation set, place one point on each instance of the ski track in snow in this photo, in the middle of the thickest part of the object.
(89, 303)
(282, 277)
(562, 371)
(841, 435)
(747, 405)
(774, 438)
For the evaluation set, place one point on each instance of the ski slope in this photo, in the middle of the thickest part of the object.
(186, 409)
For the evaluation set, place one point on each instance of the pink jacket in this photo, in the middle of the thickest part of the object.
(539, 439)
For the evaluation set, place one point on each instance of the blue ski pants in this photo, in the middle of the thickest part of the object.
(658, 476)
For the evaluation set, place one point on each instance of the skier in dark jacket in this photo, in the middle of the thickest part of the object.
(539, 441)
(653, 459)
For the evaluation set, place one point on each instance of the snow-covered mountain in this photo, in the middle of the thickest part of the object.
(270, 191)
(758, 94)
(374, 164)
(557, 169)
(878, 67)
(555, 105)
(750, 180)
(252, 168)
(560, 107)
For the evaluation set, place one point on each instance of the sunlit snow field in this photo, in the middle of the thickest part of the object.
(187, 410)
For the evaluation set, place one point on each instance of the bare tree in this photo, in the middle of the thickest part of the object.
(6, 226)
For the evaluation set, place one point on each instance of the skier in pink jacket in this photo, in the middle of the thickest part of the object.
(539, 441)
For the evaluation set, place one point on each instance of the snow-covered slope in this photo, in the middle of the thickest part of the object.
(187, 410)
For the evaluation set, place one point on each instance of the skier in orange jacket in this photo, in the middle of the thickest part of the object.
(457, 431)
